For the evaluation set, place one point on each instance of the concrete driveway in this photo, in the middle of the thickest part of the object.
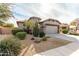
(71, 49)
(65, 37)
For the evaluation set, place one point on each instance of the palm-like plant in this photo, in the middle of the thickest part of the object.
(5, 11)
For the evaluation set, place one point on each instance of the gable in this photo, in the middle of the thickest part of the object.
(34, 19)
(51, 21)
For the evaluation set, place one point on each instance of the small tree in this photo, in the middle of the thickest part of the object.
(29, 26)
(36, 30)
(5, 11)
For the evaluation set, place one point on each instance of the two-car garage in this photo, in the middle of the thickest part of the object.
(53, 29)
(51, 26)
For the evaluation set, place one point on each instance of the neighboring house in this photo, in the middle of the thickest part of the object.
(33, 19)
(64, 26)
(74, 26)
(50, 26)
(20, 24)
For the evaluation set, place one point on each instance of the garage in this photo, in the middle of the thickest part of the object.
(51, 29)
(51, 26)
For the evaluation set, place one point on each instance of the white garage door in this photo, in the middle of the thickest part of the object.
(51, 29)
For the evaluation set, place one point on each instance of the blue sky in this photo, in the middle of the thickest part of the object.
(64, 12)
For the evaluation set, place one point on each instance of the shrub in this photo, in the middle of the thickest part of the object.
(10, 47)
(10, 25)
(21, 35)
(65, 31)
(32, 38)
(45, 38)
(41, 34)
(29, 31)
(15, 30)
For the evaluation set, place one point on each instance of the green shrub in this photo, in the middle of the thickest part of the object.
(65, 31)
(45, 38)
(15, 30)
(21, 35)
(41, 34)
(10, 47)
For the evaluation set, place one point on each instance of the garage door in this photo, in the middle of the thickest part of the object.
(51, 29)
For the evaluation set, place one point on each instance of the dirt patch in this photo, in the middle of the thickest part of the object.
(33, 48)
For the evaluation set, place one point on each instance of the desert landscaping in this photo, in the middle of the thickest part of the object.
(35, 35)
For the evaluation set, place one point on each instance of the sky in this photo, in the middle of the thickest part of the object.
(64, 12)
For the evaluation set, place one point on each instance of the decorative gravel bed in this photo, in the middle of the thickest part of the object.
(33, 48)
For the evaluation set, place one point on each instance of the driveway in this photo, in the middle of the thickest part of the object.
(65, 37)
(67, 50)
(71, 49)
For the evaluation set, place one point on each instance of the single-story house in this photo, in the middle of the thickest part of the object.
(74, 26)
(64, 26)
(20, 24)
(49, 26)
(34, 19)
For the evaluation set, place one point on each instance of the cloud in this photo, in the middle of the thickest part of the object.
(64, 12)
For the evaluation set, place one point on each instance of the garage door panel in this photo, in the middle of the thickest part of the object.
(51, 29)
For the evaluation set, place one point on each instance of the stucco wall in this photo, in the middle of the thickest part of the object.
(5, 31)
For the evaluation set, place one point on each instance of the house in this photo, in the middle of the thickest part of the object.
(20, 24)
(74, 26)
(64, 26)
(49, 26)
(34, 19)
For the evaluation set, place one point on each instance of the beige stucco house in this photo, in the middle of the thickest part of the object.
(49, 26)
(74, 26)
(20, 24)
(64, 26)
(34, 19)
